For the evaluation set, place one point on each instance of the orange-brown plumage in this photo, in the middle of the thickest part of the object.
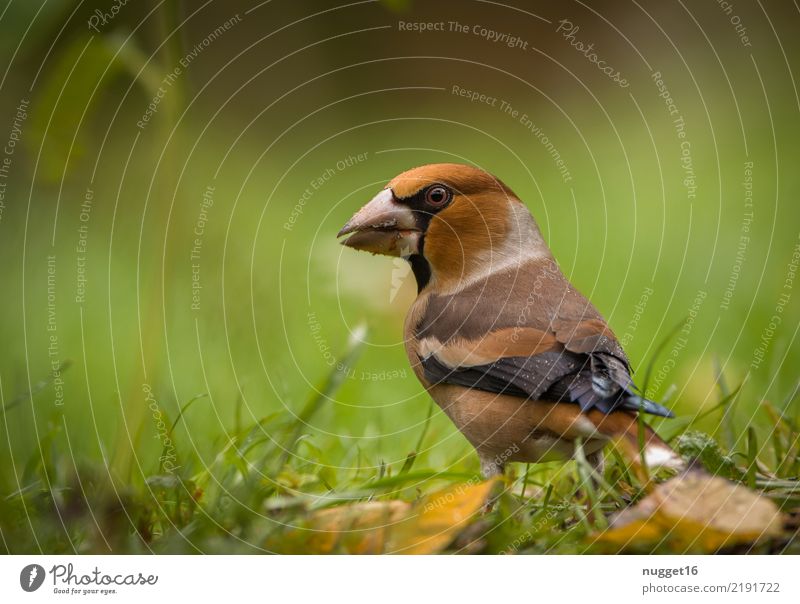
(467, 180)
(517, 358)
(457, 253)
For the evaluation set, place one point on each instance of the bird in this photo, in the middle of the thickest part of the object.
(519, 360)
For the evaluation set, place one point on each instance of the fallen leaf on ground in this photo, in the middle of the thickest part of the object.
(696, 512)
(376, 527)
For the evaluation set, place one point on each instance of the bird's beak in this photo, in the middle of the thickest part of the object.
(383, 226)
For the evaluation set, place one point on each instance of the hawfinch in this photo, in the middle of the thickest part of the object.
(517, 358)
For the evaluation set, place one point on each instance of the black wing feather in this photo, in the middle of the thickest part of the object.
(592, 380)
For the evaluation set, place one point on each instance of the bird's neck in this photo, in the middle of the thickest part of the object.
(421, 269)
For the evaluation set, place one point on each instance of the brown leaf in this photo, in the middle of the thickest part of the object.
(378, 527)
(695, 511)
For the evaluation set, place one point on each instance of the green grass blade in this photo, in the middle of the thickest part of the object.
(332, 383)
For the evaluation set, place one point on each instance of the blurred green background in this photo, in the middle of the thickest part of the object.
(201, 208)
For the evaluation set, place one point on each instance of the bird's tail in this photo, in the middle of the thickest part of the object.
(622, 427)
(634, 402)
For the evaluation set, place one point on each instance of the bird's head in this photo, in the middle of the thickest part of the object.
(452, 222)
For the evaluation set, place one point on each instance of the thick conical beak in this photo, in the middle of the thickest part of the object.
(383, 226)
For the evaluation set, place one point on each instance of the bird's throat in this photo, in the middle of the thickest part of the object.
(421, 270)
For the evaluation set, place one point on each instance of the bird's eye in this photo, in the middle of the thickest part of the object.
(437, 196)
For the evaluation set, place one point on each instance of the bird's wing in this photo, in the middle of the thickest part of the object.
(563, 353)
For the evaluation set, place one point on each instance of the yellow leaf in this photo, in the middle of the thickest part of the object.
(357, 528)
(436, 519)
(378, 527)
(695, 512)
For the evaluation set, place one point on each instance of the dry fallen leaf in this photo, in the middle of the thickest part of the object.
(695, 511)
(436, 519)
(377, 527)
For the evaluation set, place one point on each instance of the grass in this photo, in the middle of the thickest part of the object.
(265, 430)
(267, 478)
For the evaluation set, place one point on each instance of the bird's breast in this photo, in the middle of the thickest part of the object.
(410, 338)
(514, 428)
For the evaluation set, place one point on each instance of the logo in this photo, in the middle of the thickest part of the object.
(31, 577)
(400, 270)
